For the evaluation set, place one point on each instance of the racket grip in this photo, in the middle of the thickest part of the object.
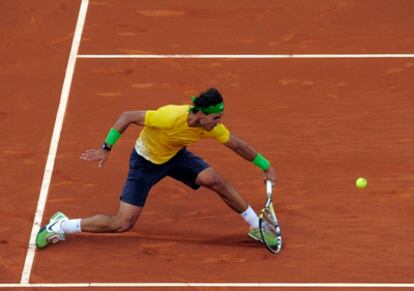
(268, 186)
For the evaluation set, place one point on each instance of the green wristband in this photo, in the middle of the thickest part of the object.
(112, 136)
(261, 162)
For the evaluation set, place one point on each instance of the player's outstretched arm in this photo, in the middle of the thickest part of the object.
(124, 120)
(129, 117)
(246, 151)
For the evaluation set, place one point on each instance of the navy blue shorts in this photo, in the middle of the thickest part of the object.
(142, 175)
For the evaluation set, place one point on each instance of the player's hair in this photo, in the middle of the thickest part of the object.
(207, 98)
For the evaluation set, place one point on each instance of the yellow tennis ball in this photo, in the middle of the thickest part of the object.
(361, 183)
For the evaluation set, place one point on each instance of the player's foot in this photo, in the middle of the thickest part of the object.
(51, 232)
(254, 233)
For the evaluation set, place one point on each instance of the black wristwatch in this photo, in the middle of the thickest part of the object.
(106, 147)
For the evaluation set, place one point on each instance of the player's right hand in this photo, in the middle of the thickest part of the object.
(99, 155)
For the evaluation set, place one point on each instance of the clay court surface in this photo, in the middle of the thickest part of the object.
(322, 122)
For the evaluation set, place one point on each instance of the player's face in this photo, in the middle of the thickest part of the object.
(209, 121)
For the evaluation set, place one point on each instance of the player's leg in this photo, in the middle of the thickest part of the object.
(125, 219)
(133, 197)
(211, 179)
(195, 172)
(60, 224)
(141, 176)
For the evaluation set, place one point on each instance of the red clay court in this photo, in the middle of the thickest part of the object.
(324, 89)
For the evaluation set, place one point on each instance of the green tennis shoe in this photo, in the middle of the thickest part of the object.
(254, 233)
(51, 232)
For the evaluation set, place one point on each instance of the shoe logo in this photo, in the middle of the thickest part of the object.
(49, 227)
(53, 239)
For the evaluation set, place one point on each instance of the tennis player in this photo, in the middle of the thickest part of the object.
(160, 151)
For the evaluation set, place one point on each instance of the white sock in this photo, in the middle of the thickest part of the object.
(71, 226)
(250, 217)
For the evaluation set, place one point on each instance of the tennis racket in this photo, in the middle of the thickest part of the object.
(269, 225)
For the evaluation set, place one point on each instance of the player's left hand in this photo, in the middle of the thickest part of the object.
(270, 174)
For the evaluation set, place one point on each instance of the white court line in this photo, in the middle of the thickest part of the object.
(217, 285)
(47, 175)
(251, 56)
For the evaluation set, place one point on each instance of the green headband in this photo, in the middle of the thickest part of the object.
(218, 108)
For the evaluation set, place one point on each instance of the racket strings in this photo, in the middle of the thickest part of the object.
(270, 225)
(271, 228)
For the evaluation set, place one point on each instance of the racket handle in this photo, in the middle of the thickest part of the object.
(269, 187)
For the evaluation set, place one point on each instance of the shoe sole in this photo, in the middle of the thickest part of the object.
(40, 243)
(255, 238)
(260, 239)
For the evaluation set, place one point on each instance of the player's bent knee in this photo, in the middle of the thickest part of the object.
(126, 218)
(123, 225)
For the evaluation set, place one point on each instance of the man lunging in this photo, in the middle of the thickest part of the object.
(161, 151)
